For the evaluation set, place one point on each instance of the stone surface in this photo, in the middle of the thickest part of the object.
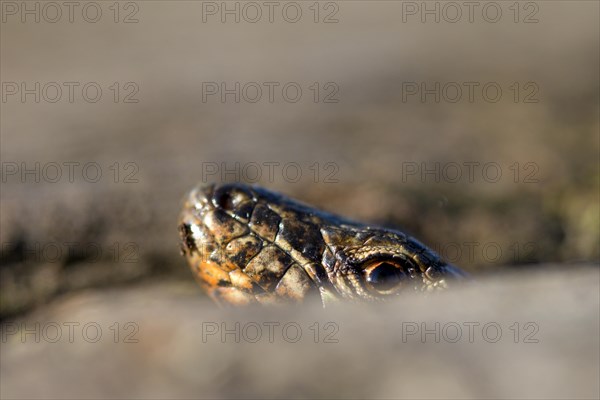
(361, 351)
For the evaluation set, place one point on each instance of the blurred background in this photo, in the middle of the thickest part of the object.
(473, 127)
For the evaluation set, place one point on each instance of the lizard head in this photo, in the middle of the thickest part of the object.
(246, 244)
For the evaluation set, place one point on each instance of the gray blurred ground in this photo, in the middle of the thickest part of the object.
(122, 233)
(532, 336)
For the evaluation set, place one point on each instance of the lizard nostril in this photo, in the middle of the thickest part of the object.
(224, 200)
(235, 199)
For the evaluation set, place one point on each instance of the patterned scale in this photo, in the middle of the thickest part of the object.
(247, 245)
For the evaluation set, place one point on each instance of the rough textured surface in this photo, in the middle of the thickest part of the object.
(371, 359)
(355, 155)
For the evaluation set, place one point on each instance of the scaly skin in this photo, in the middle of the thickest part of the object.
(246, 244)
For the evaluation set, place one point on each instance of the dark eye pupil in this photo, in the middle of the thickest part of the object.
(385, 276)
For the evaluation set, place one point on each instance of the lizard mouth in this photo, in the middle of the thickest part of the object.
(228, 239)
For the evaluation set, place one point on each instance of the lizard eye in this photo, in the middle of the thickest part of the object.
(385, 276)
